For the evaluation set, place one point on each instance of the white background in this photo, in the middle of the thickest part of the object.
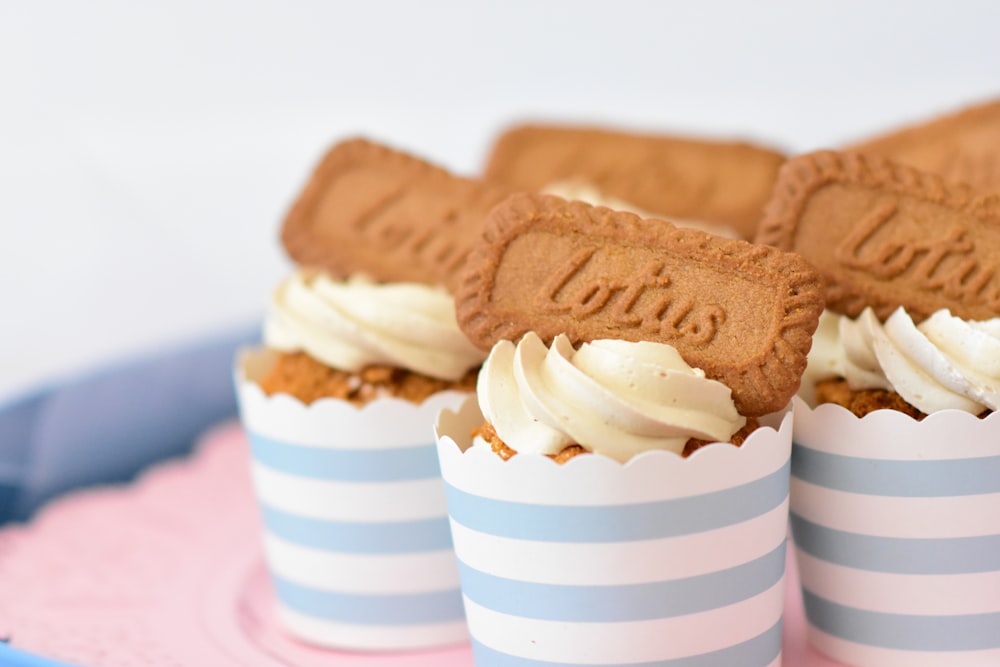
(148, 151)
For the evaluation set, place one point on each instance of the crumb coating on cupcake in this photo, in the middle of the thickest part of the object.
(299, 375)
(487, 434)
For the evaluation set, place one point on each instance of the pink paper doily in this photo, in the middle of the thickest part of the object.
(168, 572)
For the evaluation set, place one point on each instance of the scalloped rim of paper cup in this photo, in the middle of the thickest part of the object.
(890, 434)
(713, 467)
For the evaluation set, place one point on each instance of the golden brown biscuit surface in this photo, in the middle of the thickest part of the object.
(962, 146)
(884, 235)
(706, 181)
(373, 210)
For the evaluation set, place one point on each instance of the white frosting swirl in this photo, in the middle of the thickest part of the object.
(575, 190)
(943, 362)
(354, 323)
(612, 397)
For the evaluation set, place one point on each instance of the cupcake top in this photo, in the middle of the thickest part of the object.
(908, 265)
(617, 335)
(610, 397)
(378, 236)
(355, 323)
(944, 362)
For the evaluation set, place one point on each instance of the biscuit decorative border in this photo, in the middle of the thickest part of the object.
(763, 383)
(801, 177)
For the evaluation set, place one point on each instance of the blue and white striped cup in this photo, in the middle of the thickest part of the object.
(355, 525)
(662, 561)
(896, 526)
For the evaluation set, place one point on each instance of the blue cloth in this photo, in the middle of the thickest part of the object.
(108, 426)
(11, 657)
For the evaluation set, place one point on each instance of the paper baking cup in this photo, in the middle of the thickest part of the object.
(896, 525)
(356, 533)
(662, 561)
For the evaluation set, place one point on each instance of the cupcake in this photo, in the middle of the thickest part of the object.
(361, 351)
(713, 185)
(894, 508)
(586, 536)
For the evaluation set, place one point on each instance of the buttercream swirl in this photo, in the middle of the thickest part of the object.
(943, 362)
(355, 323)
(612, 397)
